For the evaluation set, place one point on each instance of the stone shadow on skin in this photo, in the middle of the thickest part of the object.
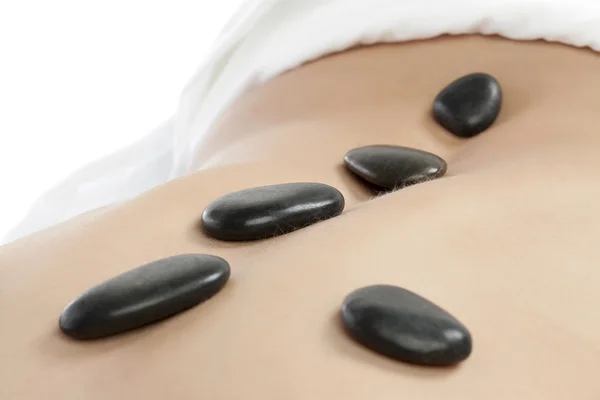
(369, 189)
(357, 187)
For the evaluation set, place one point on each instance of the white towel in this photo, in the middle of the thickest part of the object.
(268, 37)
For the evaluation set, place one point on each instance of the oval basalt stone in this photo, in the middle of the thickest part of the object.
(147, 294)
(405, 326)
(469, 105)
(268, 211)
(394, 167)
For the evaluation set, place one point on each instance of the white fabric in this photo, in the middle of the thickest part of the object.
(267, 37)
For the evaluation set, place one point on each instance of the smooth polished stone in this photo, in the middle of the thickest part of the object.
(393, 167)
(405, 326)
(144, 295)
(469, 105)
(267, 211)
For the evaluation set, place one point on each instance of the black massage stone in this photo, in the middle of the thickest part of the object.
(405, 326)
(267, 211)
(144, 295)
(469, 105)
(394, 167)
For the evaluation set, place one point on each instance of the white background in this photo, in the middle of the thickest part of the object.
(80, 79)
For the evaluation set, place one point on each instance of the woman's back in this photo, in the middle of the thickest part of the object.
(505, 242)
